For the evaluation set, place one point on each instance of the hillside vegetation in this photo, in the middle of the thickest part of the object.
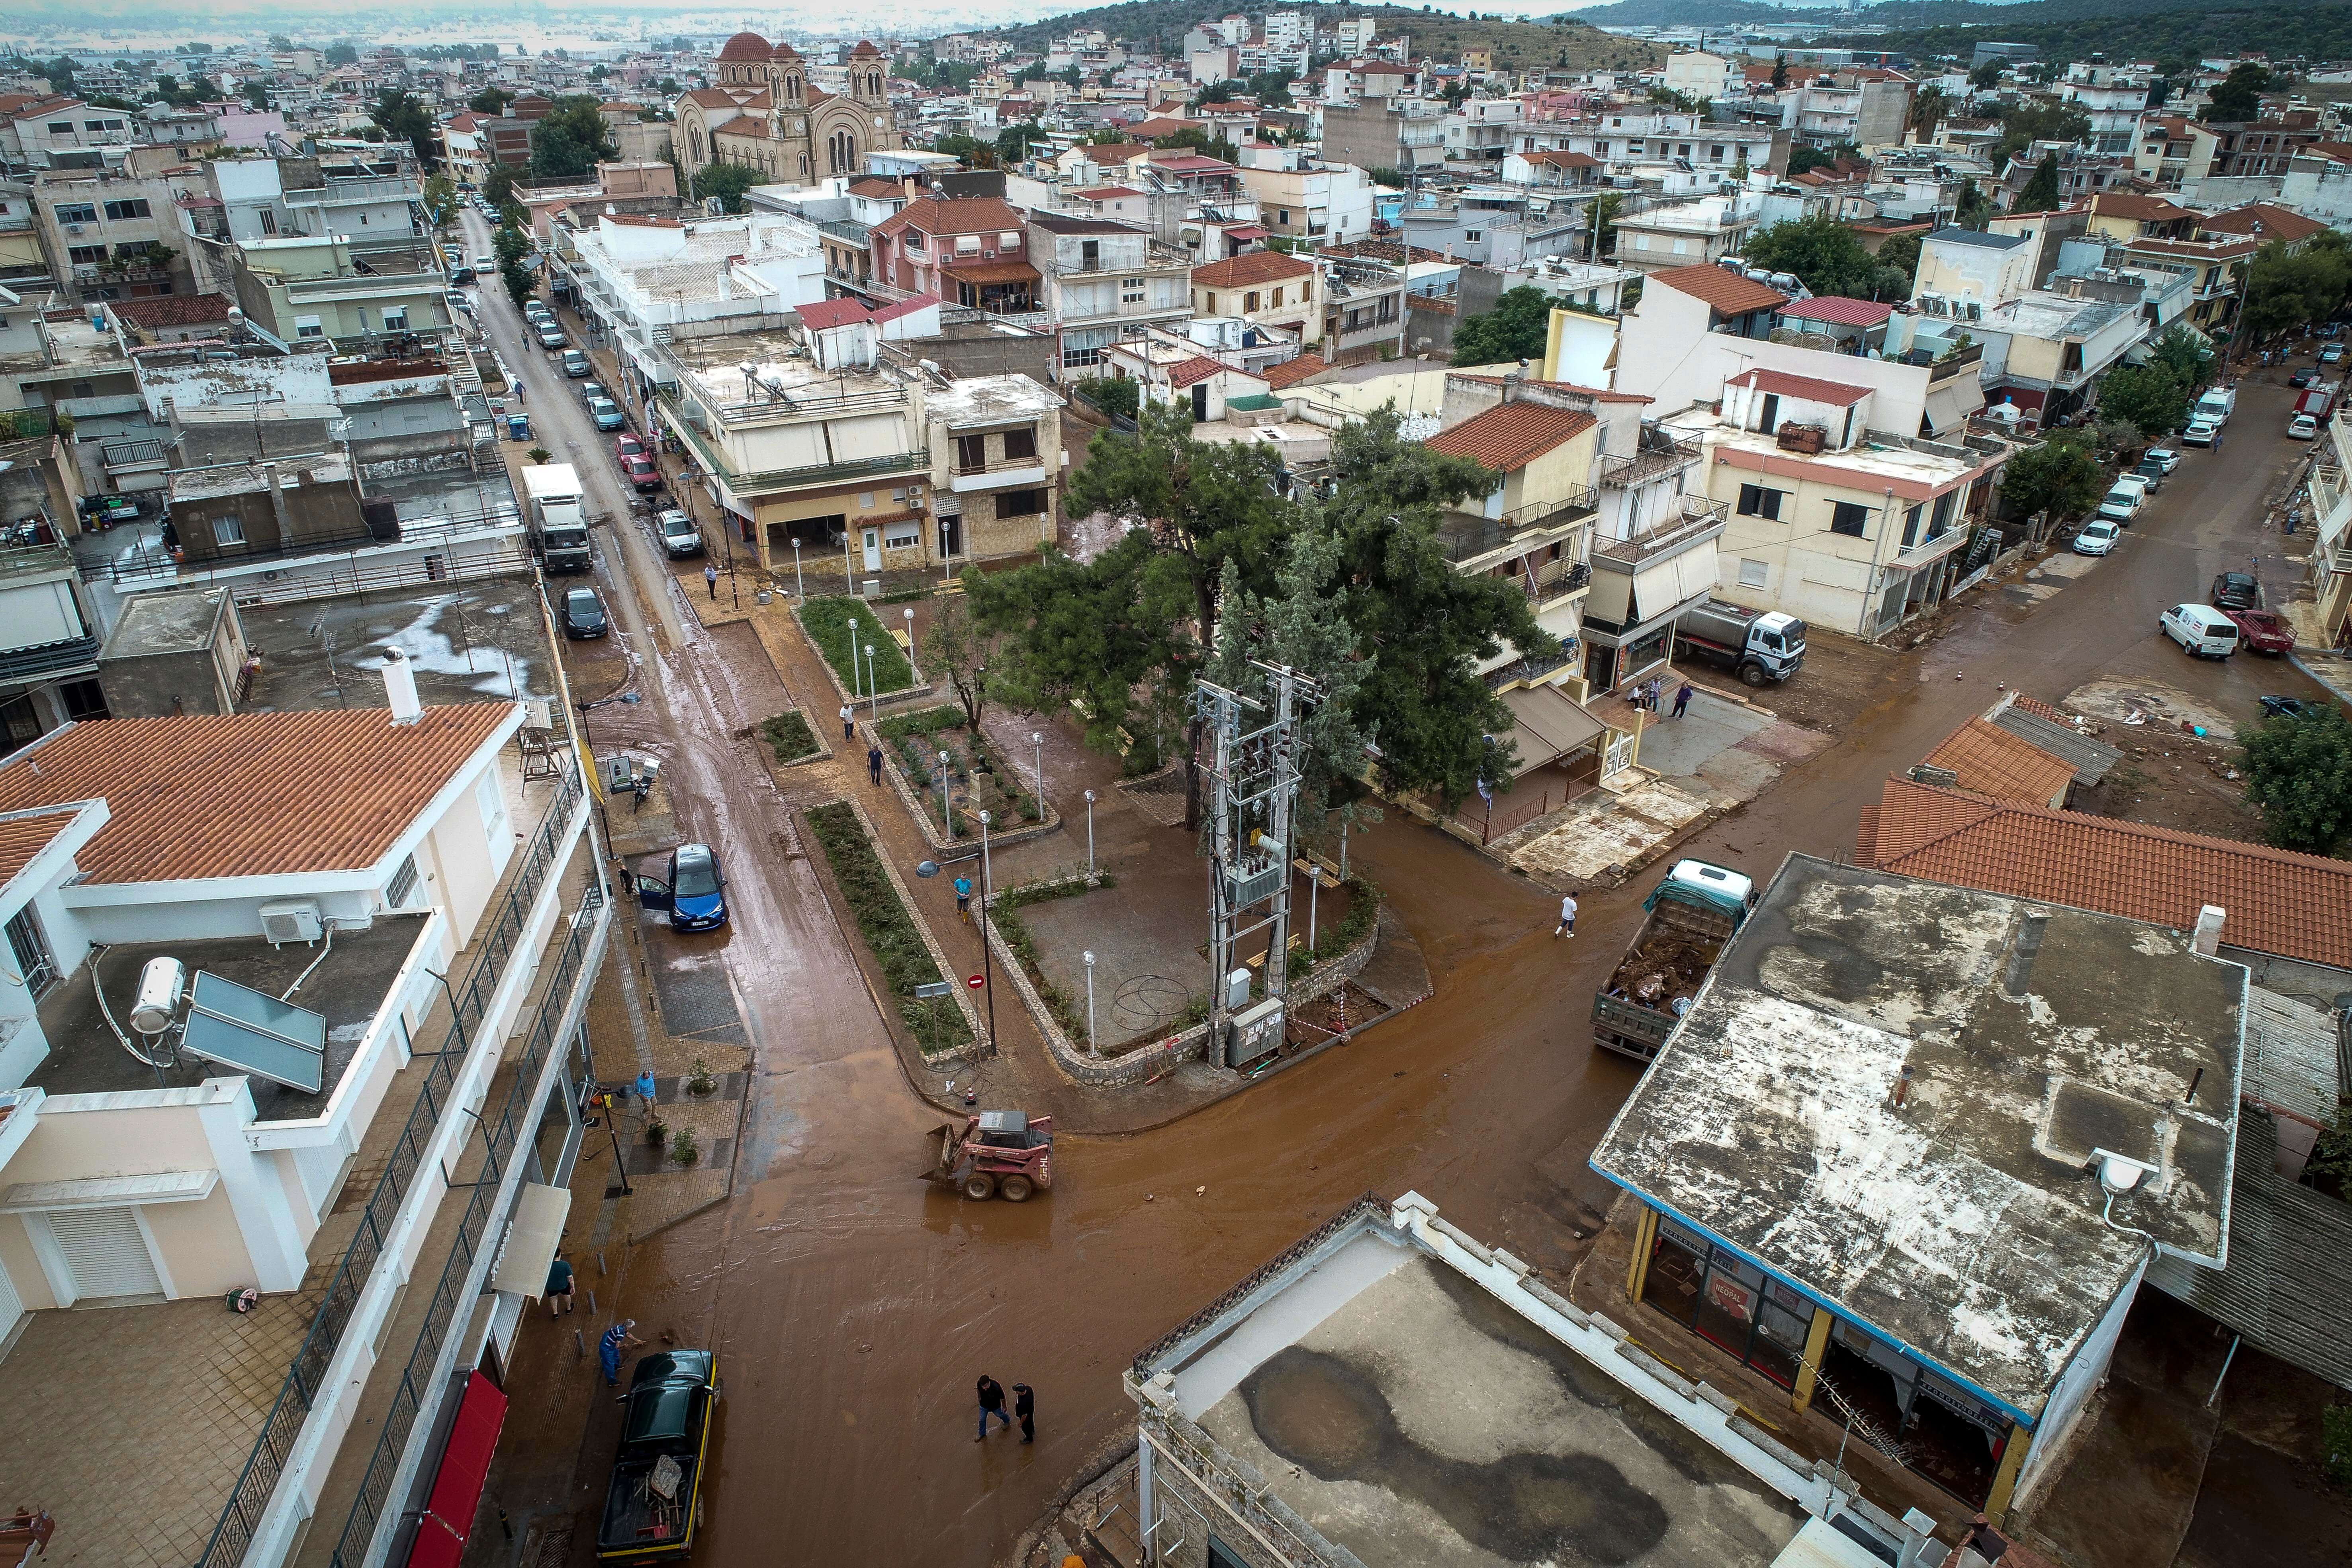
(1908, 16)
(1161, 25)
(2303, 32)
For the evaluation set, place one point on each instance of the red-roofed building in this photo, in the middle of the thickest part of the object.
(763, 112)
(969, 250)
(1266, 287)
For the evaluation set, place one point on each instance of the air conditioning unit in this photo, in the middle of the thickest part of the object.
(73, 228)
(294, 920)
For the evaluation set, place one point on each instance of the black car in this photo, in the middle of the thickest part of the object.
(696, 893)
(2236, 591)
(583, 614)
(2303, 378)
(2295, 708)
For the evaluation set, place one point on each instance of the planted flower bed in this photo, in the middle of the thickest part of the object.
(979, 778)
(887, 927)
(840, 624)
(789, 737)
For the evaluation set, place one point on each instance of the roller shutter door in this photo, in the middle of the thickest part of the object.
(106, 1251)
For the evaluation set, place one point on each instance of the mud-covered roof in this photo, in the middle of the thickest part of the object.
(1965, 1223)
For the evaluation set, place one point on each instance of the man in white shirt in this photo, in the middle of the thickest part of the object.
(1566, 926)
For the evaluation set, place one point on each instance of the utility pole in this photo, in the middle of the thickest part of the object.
(1255, 781)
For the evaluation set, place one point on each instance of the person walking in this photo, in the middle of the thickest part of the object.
(991, 1403)
(874, 765)
(1566, 926)
(608, 1350)
(1024, 1405)
(848, 722)
(1682, 698)
(644, 1087)
(964, 899)
(710, 580)
(1657, 688)
(559, 1288)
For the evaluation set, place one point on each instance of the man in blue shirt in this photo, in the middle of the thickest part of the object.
(608, 1350)
(645, 1086)
(963, 899)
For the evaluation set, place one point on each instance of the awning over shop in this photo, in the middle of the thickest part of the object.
(531, 1242)
(1247, 231)
(457, 1485)
(1546, 726)
(981, 273)
(1950, 406)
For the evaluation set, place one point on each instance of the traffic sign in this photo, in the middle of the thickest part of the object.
(974, 982)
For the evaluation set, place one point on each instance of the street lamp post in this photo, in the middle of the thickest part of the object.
(1037, 741)
(1090, 833)
(987, 972)
(911, 637)
(849, 576)
(946, 827)
(1090, 1001)
(873, 683)
(799, 582)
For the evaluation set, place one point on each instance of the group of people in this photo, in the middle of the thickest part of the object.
(1649, 693)
(991, 1403)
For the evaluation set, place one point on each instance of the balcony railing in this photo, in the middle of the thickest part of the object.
(1555, 581)
(919, 459)
(153, 559)
(1530, 527)
(998, 465)
(499, 944)
(1658, 455)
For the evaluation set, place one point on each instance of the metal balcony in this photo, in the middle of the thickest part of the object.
(1466, 538)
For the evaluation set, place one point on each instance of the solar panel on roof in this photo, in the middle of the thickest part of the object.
(254, 1032)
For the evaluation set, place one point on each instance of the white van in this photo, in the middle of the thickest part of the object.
(2202, 629)
(2123, 503)
(2217, 404)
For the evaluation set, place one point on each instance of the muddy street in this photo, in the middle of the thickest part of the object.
(853, 1307)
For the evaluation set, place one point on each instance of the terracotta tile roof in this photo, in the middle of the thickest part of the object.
(2209, 250)
(2296, 906)
(22, 837)
(1105, 192)
(1292, 372)
(1200, 367)
(875, 186)
(1837, 394)
(1992, 761)
(174, 309)
(1511, 434)
(1730, 293)
(2140, 209)
(906, 307)
(712, 97)
(1112, 152)
(953, 214)
(2263, 220)
(277, 793)
(1256, 267)
(1564, 159)
(1838, 312)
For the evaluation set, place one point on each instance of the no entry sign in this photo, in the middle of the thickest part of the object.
(974, 982)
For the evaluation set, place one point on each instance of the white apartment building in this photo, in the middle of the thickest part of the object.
(1687, 234)
(1301, 199)
(2114, 96)
(1098, 280)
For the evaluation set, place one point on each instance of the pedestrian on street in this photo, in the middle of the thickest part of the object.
(848, 724)
(645, 1090)
(1024, 1405)
(1657, 688)
(874, 765)
(1566, 926)
(963, 899)
(608, 1350)
(710, 578)
(1682, 698)
(991, 1403)
(559, 1288)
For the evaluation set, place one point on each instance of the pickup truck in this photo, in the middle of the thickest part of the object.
(652, 1504)
(1691, 915)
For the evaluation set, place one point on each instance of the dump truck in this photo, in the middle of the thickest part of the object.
(1691, 915)
(1758, 646)
(653, 1503)
(996, 1153)
(558, 517)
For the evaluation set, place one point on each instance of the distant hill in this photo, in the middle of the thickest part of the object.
(1910, 16)
(2062, 32)
(1160, 25)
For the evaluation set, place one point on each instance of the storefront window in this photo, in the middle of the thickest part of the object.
(1728, 1301)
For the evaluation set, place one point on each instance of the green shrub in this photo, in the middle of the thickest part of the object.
(2336, 1444)
(884, 921)
(789, 736)
(838, 624)
(922, 722)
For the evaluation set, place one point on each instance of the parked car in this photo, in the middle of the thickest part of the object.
(583, 614)
(575, 364)
(679, 535)
(485, 264)
(458, 303)
(552, 339)
(2096, 536)
(2295, 708)
(2303, 378)
(2150, 473)
(640, 471)
(2333, 353)
(2201, 433)
(2302, 427)
(2262, 631)
(590, 391)
(695, 892)
(2164, 458)
(2204, 631)
(2235, 590)
(606, 414)
(461, 274)
(627, 446)
(2123, 503)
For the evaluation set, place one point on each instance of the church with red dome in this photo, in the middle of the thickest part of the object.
(763, 112)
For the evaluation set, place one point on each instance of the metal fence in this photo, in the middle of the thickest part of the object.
(449, 1295)
(241, 1514)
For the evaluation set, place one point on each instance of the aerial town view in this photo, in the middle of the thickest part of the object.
(1346, 787)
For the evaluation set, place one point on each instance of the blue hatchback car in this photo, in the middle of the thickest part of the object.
(696, 893)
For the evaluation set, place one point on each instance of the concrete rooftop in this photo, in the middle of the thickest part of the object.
(1411, 1417)
(1966, 1223)
(465, 642)
(989, 400)
(347, 989)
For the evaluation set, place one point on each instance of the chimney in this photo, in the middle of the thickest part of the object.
(1903, 1087)
(400, 687)
(2207, 937)
(2021, 957)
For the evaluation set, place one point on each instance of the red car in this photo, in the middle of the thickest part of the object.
(641, 472)
(2262, 631)
(627, 447)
